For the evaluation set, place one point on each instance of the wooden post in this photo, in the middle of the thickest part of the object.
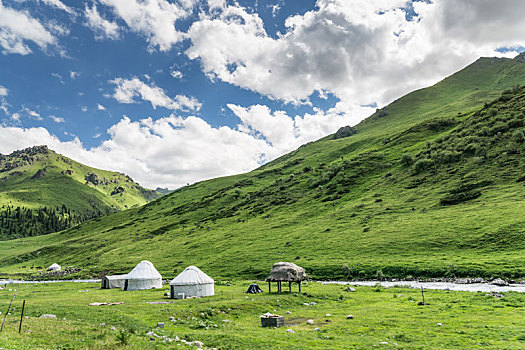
(22, 316)
(269, 287)
(423, 294)
(290, 286)
(279, 286)
(299, 286)
(9, 308)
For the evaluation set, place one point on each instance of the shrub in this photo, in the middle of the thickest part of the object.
(307, 169)
(407, 160)
(423, 164)
(518, 136)
(492, 112)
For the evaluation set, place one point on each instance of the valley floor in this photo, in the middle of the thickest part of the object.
(383, 318)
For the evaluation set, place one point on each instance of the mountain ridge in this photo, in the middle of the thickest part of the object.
(430, 189)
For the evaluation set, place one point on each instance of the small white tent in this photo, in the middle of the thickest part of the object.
(115, 281)
(191, 282)
(54, 267)
(143, 276)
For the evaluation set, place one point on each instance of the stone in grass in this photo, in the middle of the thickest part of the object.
(328, 315)
(439, 324)
(384, 343)
(350, 317)
(350, 289)
(172, 318)
(48, 316)
(316, 329)
(310, 322)
(288, 313)
(290, 330)
(160, 324)
(197, 343)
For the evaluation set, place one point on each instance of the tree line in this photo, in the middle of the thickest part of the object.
(19, 221)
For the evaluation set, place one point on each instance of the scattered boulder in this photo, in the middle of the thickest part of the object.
(290, 330)
(499, 282)
(48, 316)
(118, 190)
(439, 324)
(310, 322)
(39, 174)
(350, 317)
(349, 289)
(160, 325)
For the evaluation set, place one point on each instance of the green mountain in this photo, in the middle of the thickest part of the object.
(42, 192)
(431, 185)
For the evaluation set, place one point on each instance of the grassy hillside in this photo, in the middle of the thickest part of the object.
(432, 185)
(37, 177)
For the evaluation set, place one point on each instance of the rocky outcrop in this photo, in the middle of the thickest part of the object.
(39, 174)
(118, 190)
(345, 131)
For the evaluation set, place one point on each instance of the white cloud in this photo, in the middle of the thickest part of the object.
(360, 51)
(103, 28)
(17, 28)
(168, 152)
(100, 107)
(154, 19)
(57, 119)
(3, 91)
(59, 5)
(74, 75)
(83, 109)
(15, 117)
(59, 77)
(33, 114)
(284, 133)
(127, 90)
(176, 74)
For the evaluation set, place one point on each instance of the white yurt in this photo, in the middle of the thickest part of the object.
(143, 276)
(54, 267)
(114, 281)
(191, 282)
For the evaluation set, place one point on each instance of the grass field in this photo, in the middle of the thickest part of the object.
(383, 318)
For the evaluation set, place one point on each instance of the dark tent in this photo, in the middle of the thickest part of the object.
(254, 289)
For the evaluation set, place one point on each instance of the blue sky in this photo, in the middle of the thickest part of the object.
(172, 92)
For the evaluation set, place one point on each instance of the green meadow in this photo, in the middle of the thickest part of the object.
(382, 318)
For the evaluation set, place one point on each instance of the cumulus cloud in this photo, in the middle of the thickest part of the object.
(363, 52)
(176, 74)
(17, 28)
(284, 133)
(74, 75)
(153, 19)
(168, 152)
(100, 107)
(3, 91)
(57, 119)
(59, 5)
(126, 90)
(103, 28)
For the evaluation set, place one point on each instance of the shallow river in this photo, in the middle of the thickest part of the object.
(471, 287)
(4, 282)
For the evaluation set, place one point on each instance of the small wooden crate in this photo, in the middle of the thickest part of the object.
(272, 321)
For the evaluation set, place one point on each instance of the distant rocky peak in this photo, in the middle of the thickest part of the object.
(31, 151)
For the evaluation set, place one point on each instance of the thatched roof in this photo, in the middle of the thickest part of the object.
(285, 271)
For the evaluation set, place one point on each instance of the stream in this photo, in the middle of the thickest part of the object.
(464, 287)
